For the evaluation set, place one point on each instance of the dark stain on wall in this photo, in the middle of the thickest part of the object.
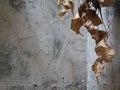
(23, 67)
(6, 68)
(13, 59)
(23, 63)
(117, 8)
(27, 53)
(18, 5)
(57, 48)
(47, 85)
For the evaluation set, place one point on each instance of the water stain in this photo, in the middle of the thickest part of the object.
(18, 5)
(28, 53)
(57, 46)
(23, 68)
(6, 68)
(117, 8)
(13, 59)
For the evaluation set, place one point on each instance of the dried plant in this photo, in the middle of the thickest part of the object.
(87, 17)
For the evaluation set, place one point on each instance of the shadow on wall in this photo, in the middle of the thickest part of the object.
(117, 8)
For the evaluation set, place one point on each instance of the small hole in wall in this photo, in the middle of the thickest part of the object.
(35, 85)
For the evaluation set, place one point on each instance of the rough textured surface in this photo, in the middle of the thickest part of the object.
(116, 63)
(38, 51)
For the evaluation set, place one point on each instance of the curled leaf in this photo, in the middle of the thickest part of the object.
(71, 6)
(96, 4)
(88, 17)
(106, 3)
(98, 35)
(89, 25)
(76, 23)
(104, 51)
(62, 12)
(59, 3)
(97, 68)
(67, 4)
(94, 18)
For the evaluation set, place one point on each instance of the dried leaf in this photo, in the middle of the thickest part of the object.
(87, 16)
(96, 4)
(94, 18)
(68, 4)
(106, 3)
(71, 6)
(76, 23)
(59, 3)
(98, 35)
(81, 9)
(89, 25)
(97, 67)
(104, 51)
(62, 12)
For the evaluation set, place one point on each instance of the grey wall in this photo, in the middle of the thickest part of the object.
(38, 51)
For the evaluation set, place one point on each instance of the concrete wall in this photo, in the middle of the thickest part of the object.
(38, 51)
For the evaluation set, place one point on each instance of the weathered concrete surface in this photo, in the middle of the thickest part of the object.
(38, 51)
(116, 63)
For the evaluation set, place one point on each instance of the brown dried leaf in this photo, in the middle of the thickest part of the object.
(76, 23)
(104, 51)
(68, 4)
(71, 6)
(91, 14)
(81, 9)
(62, 12)
(96, 4)
(98, 35)
(106, 3)
(59, 3)
(98, 67)
(89, 25)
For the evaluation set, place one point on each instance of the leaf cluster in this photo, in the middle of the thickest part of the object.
(88, 17)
